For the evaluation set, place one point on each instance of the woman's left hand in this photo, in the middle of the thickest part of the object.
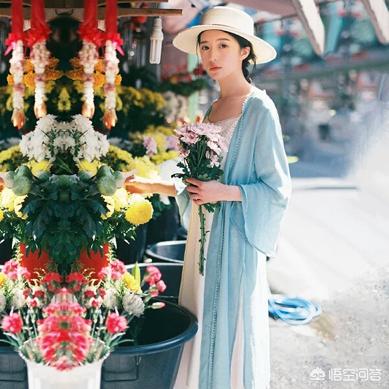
(203, 192)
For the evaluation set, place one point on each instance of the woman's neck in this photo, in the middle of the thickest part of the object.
(234, 86)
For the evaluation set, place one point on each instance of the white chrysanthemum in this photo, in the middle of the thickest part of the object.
(18, 300)
(3, 302)
(133, 304)
(110, 300)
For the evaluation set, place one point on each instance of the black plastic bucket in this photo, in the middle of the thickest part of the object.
(13, 370)
(169, 251)
(154, 362)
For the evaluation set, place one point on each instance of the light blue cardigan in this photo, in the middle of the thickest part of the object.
(257, 163)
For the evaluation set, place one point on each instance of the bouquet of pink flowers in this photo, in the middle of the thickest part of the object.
(201, 147)
(68, 321)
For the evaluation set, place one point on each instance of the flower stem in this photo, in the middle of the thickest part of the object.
(202, 240)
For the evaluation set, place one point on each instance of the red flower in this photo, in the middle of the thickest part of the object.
(116, 323)
(12, 323)
(153, 292)
(76, 277)
(52, 277)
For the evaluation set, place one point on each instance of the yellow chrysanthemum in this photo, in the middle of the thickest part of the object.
(89, 167)
(39, 167)
(9, 153)
(53, 62)
(110, 202)
(121, 199)
(1, 215)
(64, 103)
(165, 156)
(7, 197)
(18, 203)
(3, 279)
(131, 283)
(75, 62)
(139, 211)
(144, 167)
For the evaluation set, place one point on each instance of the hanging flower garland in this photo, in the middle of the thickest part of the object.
(89, 56)
(39, 55)
(14, 42)
(113, 42)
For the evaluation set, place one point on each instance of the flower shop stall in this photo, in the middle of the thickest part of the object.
(68, 303)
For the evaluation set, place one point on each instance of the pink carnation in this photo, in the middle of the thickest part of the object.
(153, 275)
(12, 323)
(118, 268)
(161, 286)
(116, 323)
(10, 269)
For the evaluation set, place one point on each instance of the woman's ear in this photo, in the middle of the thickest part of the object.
(244, 53)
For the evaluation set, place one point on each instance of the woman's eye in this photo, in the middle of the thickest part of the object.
(203, 48)
(223, 45)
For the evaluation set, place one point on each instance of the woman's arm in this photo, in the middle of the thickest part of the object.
(144, 185)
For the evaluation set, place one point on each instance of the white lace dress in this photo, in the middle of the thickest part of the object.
(192, 293)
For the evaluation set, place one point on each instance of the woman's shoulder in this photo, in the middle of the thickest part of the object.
(260, 100)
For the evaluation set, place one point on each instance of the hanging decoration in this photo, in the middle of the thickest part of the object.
(156, 39)
(14, 43)
(39, 55)
(113, 43)
(91, 41)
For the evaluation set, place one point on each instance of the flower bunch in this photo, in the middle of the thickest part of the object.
(52, 138)
(201, 148)
(67, 321)
(111, 70)
(40, 59)
(16, 70)
(88, 58)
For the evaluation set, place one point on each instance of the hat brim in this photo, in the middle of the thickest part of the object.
(186, 41)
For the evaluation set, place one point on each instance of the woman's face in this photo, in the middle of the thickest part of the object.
(221, 54)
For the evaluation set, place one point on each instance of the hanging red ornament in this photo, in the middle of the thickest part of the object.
(16, 33)
(88, 30)
(39, 30)
(111, 26)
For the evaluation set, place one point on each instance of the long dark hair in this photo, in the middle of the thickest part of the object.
(246, 62)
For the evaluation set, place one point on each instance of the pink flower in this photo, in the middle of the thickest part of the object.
(12, 323)
(153, 275)
(118, 268)
(161, 286)
(153, 292)
(104, 273)
(150, 145)
(10, 269)
(116, 323)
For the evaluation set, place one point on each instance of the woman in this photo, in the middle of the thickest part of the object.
(231, 348)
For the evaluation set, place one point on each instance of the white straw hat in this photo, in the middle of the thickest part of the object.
(230, 20)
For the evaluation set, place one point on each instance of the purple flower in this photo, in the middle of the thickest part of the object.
(172, 142)
(150, 145)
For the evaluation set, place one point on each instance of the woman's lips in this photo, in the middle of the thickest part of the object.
(215, 68)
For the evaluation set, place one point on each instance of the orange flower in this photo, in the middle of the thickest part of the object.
(53, 62)
(28, 66)
(10, 79)
(52, 75)
(76, 75)
(75, 62)
(118, 79)
(29, 80)
(100, 67)
(98, 80)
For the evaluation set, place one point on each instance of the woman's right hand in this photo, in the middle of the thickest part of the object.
(146, 186)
